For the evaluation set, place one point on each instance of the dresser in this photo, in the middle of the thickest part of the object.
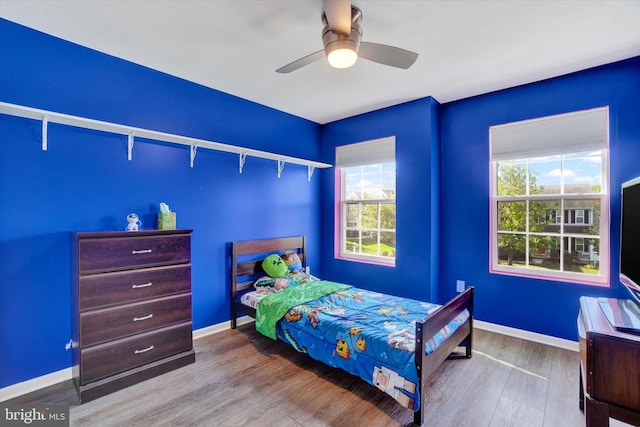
(131, 307)
(609, 368)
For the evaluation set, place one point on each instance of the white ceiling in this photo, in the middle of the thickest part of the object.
(466, 47)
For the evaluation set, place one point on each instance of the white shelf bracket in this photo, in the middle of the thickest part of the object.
(280, 167)
(241, 160)
(310, 170)
(130, 145)
(45, 123)
(193, 154)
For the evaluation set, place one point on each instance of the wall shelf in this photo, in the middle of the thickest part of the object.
(132, 132)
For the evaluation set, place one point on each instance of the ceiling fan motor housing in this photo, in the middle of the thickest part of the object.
(333, 40)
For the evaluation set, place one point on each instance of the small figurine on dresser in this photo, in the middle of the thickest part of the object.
(134, 222)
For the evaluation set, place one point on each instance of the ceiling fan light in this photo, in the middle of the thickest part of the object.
(342, 57)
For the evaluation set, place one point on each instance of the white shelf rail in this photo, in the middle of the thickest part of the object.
(132, 132)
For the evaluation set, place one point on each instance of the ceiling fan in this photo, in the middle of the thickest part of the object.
(341, 36)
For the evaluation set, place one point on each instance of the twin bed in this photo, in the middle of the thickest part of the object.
(393, 343)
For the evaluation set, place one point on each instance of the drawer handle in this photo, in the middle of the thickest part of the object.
(143, 251)
(143, 285)
(148, 316)
(144, 350)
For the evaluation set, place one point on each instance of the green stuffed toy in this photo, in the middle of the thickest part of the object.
(275, 266)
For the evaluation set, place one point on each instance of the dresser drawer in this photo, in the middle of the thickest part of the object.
(119, 253)
(112, 323)
(104, 289)
(118, 356)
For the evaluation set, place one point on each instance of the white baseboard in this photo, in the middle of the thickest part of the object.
(526, 335)
(224, 326)
(34, 384)
(53, 378)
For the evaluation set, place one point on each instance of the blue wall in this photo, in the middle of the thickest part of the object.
(85, 182)
(535, 305)
(416, 128)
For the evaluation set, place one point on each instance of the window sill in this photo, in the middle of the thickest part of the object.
(581, 279)
(367, 260)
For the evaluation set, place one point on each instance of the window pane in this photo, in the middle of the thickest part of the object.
(541, 214)
(370, 243)
(545, 176)
(512, 216)
(583, 175)
(544, 252)
(388, 243)
(369, 216)
(511, 249)
(582, 217)
(388, 185)
(353, 242)
(388, 216)
(581, 255)
(512, 179)
(352, 188)
(353, 216)
(370, 182)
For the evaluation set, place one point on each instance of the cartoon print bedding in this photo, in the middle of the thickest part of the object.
(368, 334)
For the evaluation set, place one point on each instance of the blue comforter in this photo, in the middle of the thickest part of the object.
(368, 334)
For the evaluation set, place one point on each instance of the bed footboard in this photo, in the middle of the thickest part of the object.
(427, 365)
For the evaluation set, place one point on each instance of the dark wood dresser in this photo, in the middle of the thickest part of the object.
(131, 299)
(609, 369)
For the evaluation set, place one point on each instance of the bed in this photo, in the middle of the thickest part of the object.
(393, 343)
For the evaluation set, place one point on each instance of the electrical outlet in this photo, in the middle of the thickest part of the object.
(308, 269)
(459, 285)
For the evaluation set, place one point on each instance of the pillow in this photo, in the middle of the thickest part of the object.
(268, 285)
(292, 260)
(274, 266)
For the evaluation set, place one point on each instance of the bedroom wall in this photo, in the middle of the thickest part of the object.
(84, 182)
(416, 128)
(542, 306)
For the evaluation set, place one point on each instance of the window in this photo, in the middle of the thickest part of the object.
(366, 172)
(549, 201)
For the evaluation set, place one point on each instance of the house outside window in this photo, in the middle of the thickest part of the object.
(366, 212)
(549, 198)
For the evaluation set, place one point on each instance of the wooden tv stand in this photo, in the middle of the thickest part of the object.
(609, 369)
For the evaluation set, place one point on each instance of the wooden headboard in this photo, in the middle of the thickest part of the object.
(246, 263)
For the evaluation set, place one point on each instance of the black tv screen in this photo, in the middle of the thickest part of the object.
(630, 238)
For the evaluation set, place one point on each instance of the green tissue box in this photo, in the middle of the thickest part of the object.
(167, 221)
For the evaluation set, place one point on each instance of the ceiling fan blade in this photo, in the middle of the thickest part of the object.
(387, 55)
(338, 13)
(299, 63)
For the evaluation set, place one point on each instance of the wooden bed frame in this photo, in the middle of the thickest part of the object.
(246, 260)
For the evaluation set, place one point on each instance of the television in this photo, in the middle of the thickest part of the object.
(630, 238)
(624, 314)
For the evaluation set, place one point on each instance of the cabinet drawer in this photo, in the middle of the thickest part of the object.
(108, 324)
(98, 290)
(118, 253)
(108, 359)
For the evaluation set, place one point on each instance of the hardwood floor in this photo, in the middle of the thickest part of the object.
(241, 378)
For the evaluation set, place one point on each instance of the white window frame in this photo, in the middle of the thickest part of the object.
(365, 153)
(563, 134)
